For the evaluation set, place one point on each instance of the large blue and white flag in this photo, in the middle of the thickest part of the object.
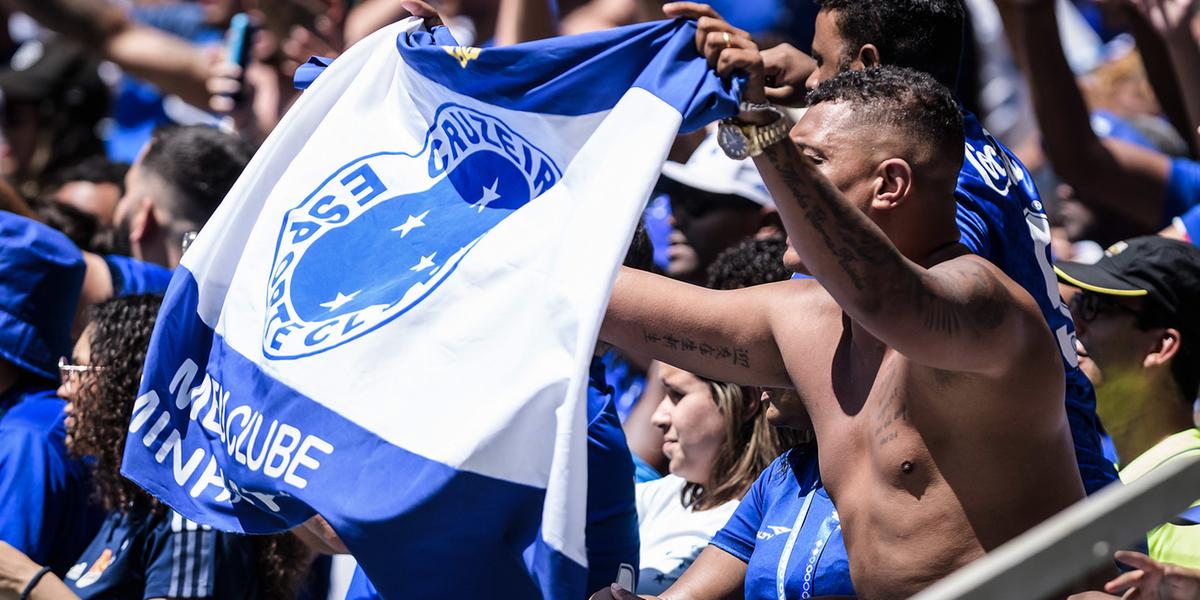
(390, 318)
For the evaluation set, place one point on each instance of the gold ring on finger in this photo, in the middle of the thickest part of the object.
(728, 39)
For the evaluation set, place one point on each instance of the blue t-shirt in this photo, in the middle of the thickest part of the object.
(788, 533)
(131, 276)
(1183, 188)
(44, 507)
(145, 556)
(1002, 219)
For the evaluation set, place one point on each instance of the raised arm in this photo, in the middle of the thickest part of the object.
(163, 59)
(721, 335)
(1116, 175)
(520, 21)
(938, 316)
(1171, 19)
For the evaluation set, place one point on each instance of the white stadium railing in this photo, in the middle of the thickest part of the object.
(1069, 545)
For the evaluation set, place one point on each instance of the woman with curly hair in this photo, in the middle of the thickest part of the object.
(144, 549)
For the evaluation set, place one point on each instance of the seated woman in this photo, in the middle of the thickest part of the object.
(784, 540)
(717, 439)
(143, 549)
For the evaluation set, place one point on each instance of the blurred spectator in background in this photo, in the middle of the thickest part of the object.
(715, 203)
(173, 188)
(44, 510)
(53, 101)
(143, 549)
(1138, 334)
(94, 186)
(1133, 188)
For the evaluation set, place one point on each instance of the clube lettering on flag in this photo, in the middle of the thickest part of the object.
(389, 320)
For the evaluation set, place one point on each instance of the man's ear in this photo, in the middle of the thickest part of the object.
(893, 184)
(1164, 348)
(143, 224)
(868, 56)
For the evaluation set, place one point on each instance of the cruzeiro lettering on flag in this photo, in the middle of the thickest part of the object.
(483, 171)
(389, 319)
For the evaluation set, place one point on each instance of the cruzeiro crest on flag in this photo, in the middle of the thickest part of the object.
(382, 232)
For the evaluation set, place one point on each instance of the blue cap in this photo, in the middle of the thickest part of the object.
(41, 274)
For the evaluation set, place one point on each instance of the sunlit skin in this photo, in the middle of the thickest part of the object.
(692, 425)
(833, 54)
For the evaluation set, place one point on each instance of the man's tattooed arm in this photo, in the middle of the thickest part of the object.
(934, 316)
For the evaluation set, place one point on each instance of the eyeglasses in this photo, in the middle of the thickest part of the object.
(67, 369)
(1087, 306)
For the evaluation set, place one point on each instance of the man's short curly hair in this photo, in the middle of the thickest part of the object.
(901, 98)
(926, 35)
(749, 263)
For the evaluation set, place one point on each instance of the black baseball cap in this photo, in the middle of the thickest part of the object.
(1165, 271)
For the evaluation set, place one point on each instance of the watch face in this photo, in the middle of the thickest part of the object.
(733, 141)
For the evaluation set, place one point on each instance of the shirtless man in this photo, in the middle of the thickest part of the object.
(932, 381)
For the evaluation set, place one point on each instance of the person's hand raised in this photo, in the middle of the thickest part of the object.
(422, 9)
(787, 69)
(727, 49)
(1153, 580)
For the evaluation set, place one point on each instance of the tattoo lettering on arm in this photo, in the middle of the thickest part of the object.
(738, 356)
(837, 223)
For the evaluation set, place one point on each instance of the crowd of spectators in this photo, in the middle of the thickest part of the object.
(126, 122)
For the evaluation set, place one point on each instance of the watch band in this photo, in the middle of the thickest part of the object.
(762, 136)
(748, 106)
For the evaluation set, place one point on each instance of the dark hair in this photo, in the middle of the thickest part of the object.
(120, 334)
(1185, 366)
(120, 337)
(901, 98)
(80, 227)
(751, 262)
(926, 35)
(1185, 369)
(640, 255)
(199, 164)
(95, 169)
(280, 561)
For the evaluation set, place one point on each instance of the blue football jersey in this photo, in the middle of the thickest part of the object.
(788, 533)
(1001, 217)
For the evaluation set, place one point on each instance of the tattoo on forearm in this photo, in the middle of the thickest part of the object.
(852, 247)
(738, 356)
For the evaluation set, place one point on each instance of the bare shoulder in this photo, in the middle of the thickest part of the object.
(989, 293)
(1005, 316)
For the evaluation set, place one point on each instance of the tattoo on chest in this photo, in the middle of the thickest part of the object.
(736, 355)
(892, 412)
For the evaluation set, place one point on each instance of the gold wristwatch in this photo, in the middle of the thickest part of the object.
(743, 140)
